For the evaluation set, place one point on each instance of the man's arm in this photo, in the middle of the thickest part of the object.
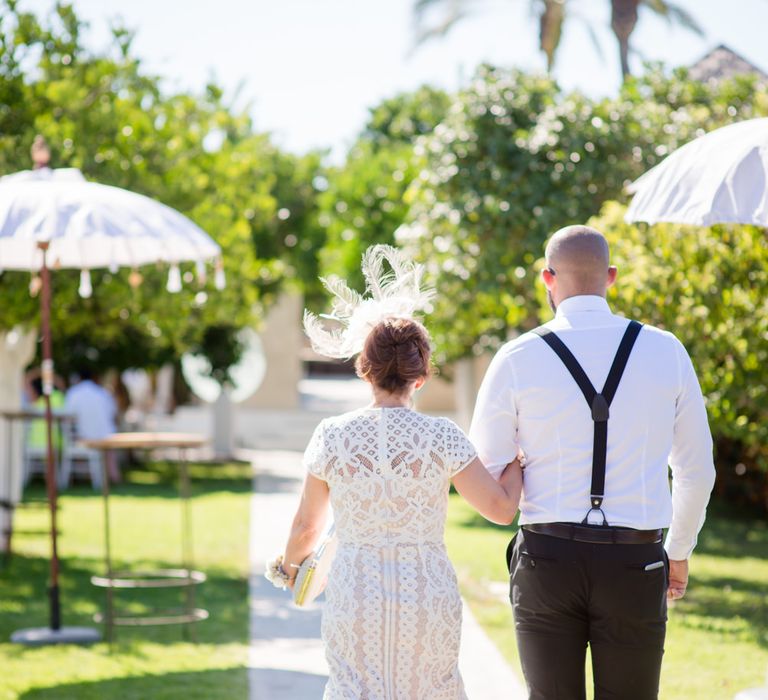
(693, 474)
(494, 422)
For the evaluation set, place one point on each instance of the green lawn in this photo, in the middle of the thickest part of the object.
(150, 662)
(717, 638)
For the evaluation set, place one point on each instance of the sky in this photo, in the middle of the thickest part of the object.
(309, 70)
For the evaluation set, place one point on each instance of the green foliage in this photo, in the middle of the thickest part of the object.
(515, 160)
(223, 348)
(709, 286)
(363, 205)
(364, 201)
(102, 113)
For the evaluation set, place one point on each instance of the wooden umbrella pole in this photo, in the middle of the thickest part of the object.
(50, 471)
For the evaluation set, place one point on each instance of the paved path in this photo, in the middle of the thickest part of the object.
(286, 656)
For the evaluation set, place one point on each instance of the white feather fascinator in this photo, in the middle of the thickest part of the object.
(395, 292)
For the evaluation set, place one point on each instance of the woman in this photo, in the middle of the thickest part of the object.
(392, 618)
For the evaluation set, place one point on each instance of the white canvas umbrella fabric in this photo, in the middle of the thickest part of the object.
(721, 177)
(90, 225)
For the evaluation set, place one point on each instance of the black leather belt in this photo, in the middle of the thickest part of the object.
(595, 535)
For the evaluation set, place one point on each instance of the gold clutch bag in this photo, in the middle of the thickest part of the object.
(313, 572)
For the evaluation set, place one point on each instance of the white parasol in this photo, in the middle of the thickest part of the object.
(88, 225)
(721, 177)
(55, 218)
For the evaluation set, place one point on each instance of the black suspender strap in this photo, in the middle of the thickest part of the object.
(599, 403)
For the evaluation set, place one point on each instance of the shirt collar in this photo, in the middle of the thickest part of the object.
(581, 303)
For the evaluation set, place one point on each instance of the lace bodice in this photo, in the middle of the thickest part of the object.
(392, 615)
(388, 470)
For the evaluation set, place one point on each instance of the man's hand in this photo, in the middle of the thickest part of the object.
(678, 579)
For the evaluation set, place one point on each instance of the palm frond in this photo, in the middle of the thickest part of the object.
(674, 14)
(453, 11)
(593, 35)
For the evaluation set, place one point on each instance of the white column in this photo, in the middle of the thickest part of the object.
(282, 341)
(223, 425)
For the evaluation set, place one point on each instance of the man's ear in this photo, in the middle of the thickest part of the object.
(548, 278)
(612, 274)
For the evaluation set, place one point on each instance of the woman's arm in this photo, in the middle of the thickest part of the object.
(307, 524)
(496, 501)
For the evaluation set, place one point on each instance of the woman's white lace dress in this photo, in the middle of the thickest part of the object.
(392, 617)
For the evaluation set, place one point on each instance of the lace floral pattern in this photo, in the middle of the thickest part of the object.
(392, 618)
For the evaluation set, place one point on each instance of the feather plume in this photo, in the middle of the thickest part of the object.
(395, 292)
(346, 299)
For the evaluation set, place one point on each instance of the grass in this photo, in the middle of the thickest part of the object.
(149, 662)
(717, 642)
(717, 637)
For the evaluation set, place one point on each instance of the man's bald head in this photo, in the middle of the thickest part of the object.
(581, 254)
(579, 258)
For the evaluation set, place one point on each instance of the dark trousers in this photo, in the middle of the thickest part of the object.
(566, 595)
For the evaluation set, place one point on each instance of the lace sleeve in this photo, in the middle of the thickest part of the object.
(317, 456)
(460, 452)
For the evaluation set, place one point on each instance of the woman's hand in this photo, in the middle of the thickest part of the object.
(512, 472)
(511, 479)
(307, 524)
(496, 501)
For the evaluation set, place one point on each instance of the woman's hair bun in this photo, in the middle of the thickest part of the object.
(396, 354)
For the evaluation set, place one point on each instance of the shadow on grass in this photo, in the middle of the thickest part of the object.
(734, 606)
(161, 480)
(200, 685)
(24, 602)
(725, 534)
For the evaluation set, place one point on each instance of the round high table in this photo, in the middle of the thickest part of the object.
(184, 577)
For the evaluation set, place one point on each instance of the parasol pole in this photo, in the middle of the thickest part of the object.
(50, 467)
(54, 633)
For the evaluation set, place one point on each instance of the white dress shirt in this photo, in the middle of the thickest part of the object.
(94, 409)
(657, 418)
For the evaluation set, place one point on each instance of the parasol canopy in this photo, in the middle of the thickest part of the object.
(89, 225)
(721, 177)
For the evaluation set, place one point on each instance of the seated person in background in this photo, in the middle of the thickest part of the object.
(95, 414)
(36, 437)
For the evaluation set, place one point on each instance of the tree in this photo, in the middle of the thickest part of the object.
(515, 160)
(363, 203)
(552, 16)
(103, 114)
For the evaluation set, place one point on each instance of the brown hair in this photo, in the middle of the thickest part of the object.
(396, 353)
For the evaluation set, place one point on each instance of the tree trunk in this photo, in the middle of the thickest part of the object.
(623, 22)
(550, 29)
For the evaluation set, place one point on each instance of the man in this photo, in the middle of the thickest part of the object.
(95, 414)
(599, 425)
